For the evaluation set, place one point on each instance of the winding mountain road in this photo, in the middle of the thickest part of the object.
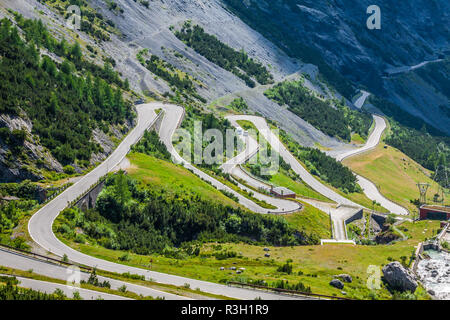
(372, 141)
(232, 166)
(346, 208)
(40, 225)
(369, 188)
(264, 130)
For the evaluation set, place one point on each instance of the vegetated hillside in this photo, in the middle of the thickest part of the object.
(60, 96)
(333, 35)
(223, 55)
(145, 219)
(130, 32)
(339, 121)
(426, 145)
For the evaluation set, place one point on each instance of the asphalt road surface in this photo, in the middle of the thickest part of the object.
(50, 287)
(25, 263)
(346, 208)
(372, 141)
(232, 166)
(369, 188)
(272, 139)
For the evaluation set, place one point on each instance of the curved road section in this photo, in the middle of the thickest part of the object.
(272, 139)
(40, 225)
(372, 141)
(22, 262)
(68, 291)
(346, 208)
(173, 117)
(369, 188)
(232, 167)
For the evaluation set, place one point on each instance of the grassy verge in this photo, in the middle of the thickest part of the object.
(171, 177)
(395, 174)
(312, 220)
(314, 266)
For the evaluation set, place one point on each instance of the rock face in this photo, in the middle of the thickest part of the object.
(217, 83)
(14, 168)
(337, 283)
(336, 31)
(399, 278)
(345, 277)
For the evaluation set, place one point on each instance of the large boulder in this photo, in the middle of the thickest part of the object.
(337, 283)
(345, 277)
(399, 278)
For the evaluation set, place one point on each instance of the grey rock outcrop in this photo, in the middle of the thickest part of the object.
(337, 283)
(399, 278)
(338, 34)
(36, 157)
(345, 277)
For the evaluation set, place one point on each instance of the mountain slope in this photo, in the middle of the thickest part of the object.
(334, 34)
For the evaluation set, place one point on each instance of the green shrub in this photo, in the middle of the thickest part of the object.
(79, 238)
(69, 169)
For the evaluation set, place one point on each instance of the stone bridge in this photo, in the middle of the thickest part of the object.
(89, 199)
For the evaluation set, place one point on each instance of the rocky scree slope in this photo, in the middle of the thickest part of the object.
(334, 34)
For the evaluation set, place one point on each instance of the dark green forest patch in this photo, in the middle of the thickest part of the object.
(223, 55)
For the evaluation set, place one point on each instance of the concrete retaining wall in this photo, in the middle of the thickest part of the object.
(418, 253)
(90, 198)
(358, 215)
(379, 218)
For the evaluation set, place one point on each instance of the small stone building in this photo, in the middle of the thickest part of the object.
(282, 192)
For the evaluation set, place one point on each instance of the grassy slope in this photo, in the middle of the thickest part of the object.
(168, 176)
(359, 198)
(323, 261)
(394, 173)
(300, 188)
(311, 218)
(318, 263)
(29, 274)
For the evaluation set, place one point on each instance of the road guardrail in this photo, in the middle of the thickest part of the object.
(42, 257)
(287, 291)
